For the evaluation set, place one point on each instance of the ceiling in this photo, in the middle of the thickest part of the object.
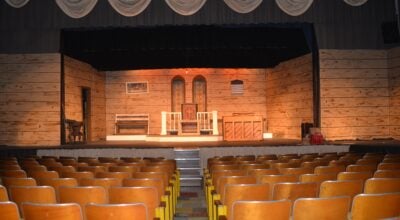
(216, 46)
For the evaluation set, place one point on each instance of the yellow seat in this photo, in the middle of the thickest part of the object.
(93, 169)
(10, 181)
(9, 211)
(341, 188)
(329, 169)
(34, 194)
(13, 173)
(3, 194)
(274, 179)
(32, 168)
(62, 169)
(261, 210)
(293, 191)
(354, 176)
(321, 208)
(361, 168)
(129, 169)
(78, 175)
(375, 206)
(67, 211)
(382, 185)
(104, 182)
(387, 174)
(56, 183)
(118, 175)
(317, 178)
(43, 174)
(260, 172)
(389, 166)
(296, 171)
(132, 211)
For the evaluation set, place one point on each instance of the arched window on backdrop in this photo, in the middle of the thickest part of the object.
(200, 93)
(177, 93)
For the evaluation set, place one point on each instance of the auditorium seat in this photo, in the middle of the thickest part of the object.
(260, 172)
(354, 176)
(261, 210)
(147, 195)
(360, 168)
(132, 211)
(387, 174)
(93, 169)
(108, 160)
(296, 171)
(273, 179)
(130, 159)
(329, 169)
(13, 173)
(56, 183)
(117, 175)
(43, 174)
(78, 175)
(10, 181)
(104, 182)
(317, 178)
(88, 160)
(382, 185)
(3, 194)
(375, 206)
(321, 208)
(66, 211)
(10, 167)
(340, 188)
(35, 194)
(253, 166)
(129, 169)
(293, 191)
(9, 211)
(61, 169)
(389, 166)
(33, 168)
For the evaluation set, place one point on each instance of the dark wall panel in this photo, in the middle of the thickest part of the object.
(36, 26)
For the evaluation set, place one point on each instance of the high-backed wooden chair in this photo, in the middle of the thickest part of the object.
(224, 180)
(9, 211)
(293, 191)
(261, 210)
(13, 173)
(382, 185)
(3, 194)
(83, 195)
(273, 179)
(56, 183)
(132, 211)
(104, 182)
(237, 192)
(35, 194)
(375, 206)
(354, 176)
(147, 195)
(341, 188)
(317, 178)
(10, 181)
(361, 168)
(387, 174)
(66, 211)
(321, 208)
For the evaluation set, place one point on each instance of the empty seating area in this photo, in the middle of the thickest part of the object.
(90, 188)
(303, 186)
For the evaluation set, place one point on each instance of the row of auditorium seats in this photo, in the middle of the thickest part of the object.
(148, 186)
(308, 186)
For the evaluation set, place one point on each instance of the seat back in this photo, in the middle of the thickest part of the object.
(11, 181)
(261, 210)
(35, 194)
(13, 173)
(132, 211)
(293, 191)
(9, 211)
(382, 185)
(43, 174)
(78, 175)
(104, 182)
(340, 188)
(3, 194)
(321, 208)
(56, 183)
(354, 176)
(360, 168)
(387, 174)
(260, 172)
(375, 206)
(66, 211)
(389, 166)
(329, 169)
(152, 182)
(317, 178)
(273, 179)
(224, 180)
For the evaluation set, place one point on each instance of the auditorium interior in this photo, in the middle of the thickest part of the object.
(199, 109)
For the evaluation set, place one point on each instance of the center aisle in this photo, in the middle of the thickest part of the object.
(191, 204)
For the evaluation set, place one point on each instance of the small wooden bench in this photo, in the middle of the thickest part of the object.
(137, 122)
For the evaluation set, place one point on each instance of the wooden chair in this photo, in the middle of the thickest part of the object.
(387, 174)
(253, 166)
(29, 169)
(341, 188)
(3, 194)
(296, 171)
(10, 181)
(78, 175)
(260, 172)
(56, 183)
(321, 208)
(237, 192)
(382, 185)
(9, 211)
(273, 179)
(147, 195)
(132, 211)
(317, 178)
(108, 160)
(93, 169)
(224, 180)
(354, 176)
(128, 169)
(261, 210)
(329, 169)
(13, 173)
(35, 194)
(10, 167)
(66, 211)
(88, 160)
(61, 170)
(43, 174)
(293, 191)
(375, 206)
(389, 166)
(104, 182)
(361, 168)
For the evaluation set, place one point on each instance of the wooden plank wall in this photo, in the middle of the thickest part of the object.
(30, 99)
(394, 92)
(77, 75)
(289, 97)
(354, 94)
(158, 99)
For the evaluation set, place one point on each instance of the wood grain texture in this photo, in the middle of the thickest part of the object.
(30, 99)
(289, 97)
(394, 92)
(354, 94)
(158, 98)
(77, 76)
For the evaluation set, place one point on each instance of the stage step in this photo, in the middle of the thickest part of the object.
(188, 164)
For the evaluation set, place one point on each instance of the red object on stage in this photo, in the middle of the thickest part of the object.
(317, 139)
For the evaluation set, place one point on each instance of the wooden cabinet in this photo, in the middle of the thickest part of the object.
(243, 128)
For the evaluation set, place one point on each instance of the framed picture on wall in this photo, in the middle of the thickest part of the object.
(136, 87)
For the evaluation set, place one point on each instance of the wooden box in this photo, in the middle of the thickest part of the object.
(243, 128)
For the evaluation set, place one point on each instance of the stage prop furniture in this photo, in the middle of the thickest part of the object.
(135, 123)
(74, 129)
(242, 127)
(189, 124)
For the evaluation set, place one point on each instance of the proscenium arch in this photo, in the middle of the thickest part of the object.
(199, 87)
(177, 93)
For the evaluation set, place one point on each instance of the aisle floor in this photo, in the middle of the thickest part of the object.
(191, 204)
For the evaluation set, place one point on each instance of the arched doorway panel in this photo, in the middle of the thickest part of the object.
(200, 93)
(177, 93)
